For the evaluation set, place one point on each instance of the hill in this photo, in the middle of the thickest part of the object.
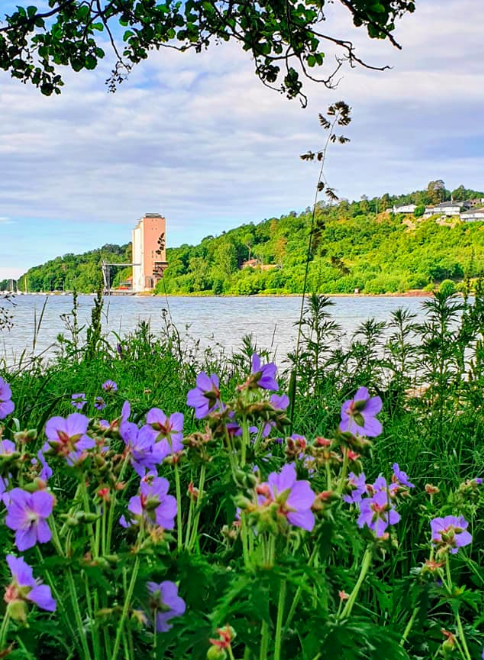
(356, 246)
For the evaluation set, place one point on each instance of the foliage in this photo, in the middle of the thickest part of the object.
(284, 39)
(284, 593)
(76, 272)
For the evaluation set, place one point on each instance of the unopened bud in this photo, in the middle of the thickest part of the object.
(431, 490)
(216, 653)
(17, 610)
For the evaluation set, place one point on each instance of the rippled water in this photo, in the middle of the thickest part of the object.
(223, 320)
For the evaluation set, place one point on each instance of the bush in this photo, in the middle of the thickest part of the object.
(447, 287)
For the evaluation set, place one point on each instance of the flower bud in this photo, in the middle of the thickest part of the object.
(216, 653)
(17, 610)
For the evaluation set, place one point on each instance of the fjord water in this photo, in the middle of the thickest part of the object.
(211, 320)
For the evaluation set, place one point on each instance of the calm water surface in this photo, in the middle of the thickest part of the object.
(223, 320)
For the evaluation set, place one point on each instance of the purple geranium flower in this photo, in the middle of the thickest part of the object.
(153, 504)
(78, 400)
(27, 514)
(24, 587)
(109, 386)
(401, 477)
(99, 403)
(377, 513)
(205, 397)
(140, 443)
(164, 604)
(450, 533)
(67, 437)
(168, 431)
(45, 471)
(264, 375)
(7, 406)
(358, 414)
(294, 498)
(358, 484)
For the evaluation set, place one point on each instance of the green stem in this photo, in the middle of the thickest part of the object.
(112, 508)
(60, 604)
(297, 597)
(201, 486)
(4, 630)
(409, 626)
(462, 638)
(178, 510)
(280, 616)
(127, 603)
(245, 540)
(343, 472)
(264, 643)
(77, 614)
(354, 594)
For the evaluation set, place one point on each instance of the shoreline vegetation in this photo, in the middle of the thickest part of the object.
(361, 246)
(331, 508)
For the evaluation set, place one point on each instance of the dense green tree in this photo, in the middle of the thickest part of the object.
(286, 40)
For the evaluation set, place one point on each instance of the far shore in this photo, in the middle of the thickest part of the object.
(205, 294)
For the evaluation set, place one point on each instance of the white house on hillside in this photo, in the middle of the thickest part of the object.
(473, 215)
(405, 208)
(445, 208)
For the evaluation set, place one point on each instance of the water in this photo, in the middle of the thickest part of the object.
(271, 320)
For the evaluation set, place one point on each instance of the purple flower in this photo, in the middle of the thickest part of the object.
(280, 402)
(140, 443)
(358, 414)
(67, 437)
(109, 386)
(164, 604)
(264, 375)
(7, 406)
(27, 513)
(401, 477)
(450, 533)
(294, 498)
(7, 448)
(168, 431)
(377, 513)
(153, 504)
(46, 471)
(358, 483)
(205, 397)
(78, 400)
(25, 587)
(99, 403)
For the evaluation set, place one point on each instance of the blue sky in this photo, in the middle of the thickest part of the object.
(199, 139)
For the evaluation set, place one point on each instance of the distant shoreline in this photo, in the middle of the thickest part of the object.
(407, 294)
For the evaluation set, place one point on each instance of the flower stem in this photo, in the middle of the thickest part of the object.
(201, 486)
(264, 643)
(127, 603)
(178, 510)
(409, 626)
(112, 508)
(4, 631)
(77, 614)
(462, 638)
(280, 616)
(343, 472)
(356, 589)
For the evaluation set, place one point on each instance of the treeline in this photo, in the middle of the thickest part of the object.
(356, 245)
(76, 271)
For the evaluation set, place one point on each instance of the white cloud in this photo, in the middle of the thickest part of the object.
(198, 138)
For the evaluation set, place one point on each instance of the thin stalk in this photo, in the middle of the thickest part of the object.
(264, 643)
(409, 626)
(178, 510)
(124, 614)
(201, 486)
(77, 614)
(356, 589)
(457, 615)
(4, 630)
(280, 616)
(112, 508)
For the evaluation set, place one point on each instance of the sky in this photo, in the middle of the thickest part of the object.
(199, 139)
